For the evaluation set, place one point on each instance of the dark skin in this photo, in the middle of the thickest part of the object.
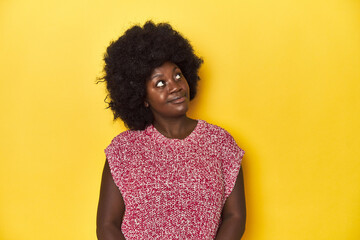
(111, 209)
(168, 99)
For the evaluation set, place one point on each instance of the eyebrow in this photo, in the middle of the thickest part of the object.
(160, 74)
(156, 75)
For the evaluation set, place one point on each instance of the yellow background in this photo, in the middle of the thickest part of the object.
(283, 77)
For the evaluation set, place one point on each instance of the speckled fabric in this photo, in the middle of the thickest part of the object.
(174, 188)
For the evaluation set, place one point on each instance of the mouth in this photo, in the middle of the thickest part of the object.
(178, 99)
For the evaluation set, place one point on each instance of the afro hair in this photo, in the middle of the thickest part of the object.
(129, 62)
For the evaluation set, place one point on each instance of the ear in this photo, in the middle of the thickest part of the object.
(146, 104)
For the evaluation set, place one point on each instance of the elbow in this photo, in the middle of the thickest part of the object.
(238, 220)
(241, 219)
(238, 217)
(109, 231)
(100, 232)
(242, 223)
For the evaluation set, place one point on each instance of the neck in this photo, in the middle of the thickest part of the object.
(175, 127)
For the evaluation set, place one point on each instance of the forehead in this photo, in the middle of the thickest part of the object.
(164, 68)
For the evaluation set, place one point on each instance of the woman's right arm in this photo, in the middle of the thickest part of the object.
(111, 208)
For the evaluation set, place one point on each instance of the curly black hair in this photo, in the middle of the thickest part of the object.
(129, 62)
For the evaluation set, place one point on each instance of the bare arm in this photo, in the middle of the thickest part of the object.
(111, 209)
(234, 213)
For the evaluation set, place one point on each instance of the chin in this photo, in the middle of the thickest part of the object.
(179, 113)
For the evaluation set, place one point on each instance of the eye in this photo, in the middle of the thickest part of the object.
(178, 76)
(160, 83)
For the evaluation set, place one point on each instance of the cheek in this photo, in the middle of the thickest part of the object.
(155, 97)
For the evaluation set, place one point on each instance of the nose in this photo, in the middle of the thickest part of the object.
(174, 86)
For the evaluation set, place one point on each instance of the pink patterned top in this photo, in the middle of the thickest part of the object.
(174, 188)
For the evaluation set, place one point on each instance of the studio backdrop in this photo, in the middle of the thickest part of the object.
(283, 77)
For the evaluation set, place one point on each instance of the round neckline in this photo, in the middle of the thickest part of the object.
(159, 135)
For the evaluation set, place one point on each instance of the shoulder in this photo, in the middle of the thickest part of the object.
(124, 146)
(229, 151)
(125, 139)
(218, 136)
(214, 130)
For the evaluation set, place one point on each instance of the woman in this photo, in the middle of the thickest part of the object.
(168, 176)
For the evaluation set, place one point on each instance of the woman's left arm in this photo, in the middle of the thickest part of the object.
(234, 213)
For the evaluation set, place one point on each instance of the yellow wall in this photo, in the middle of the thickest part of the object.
(282, 76)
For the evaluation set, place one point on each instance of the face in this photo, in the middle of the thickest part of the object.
(167, 92)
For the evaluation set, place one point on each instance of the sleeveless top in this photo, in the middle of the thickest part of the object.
(174, 188)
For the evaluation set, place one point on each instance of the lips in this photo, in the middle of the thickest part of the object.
(177, 99)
